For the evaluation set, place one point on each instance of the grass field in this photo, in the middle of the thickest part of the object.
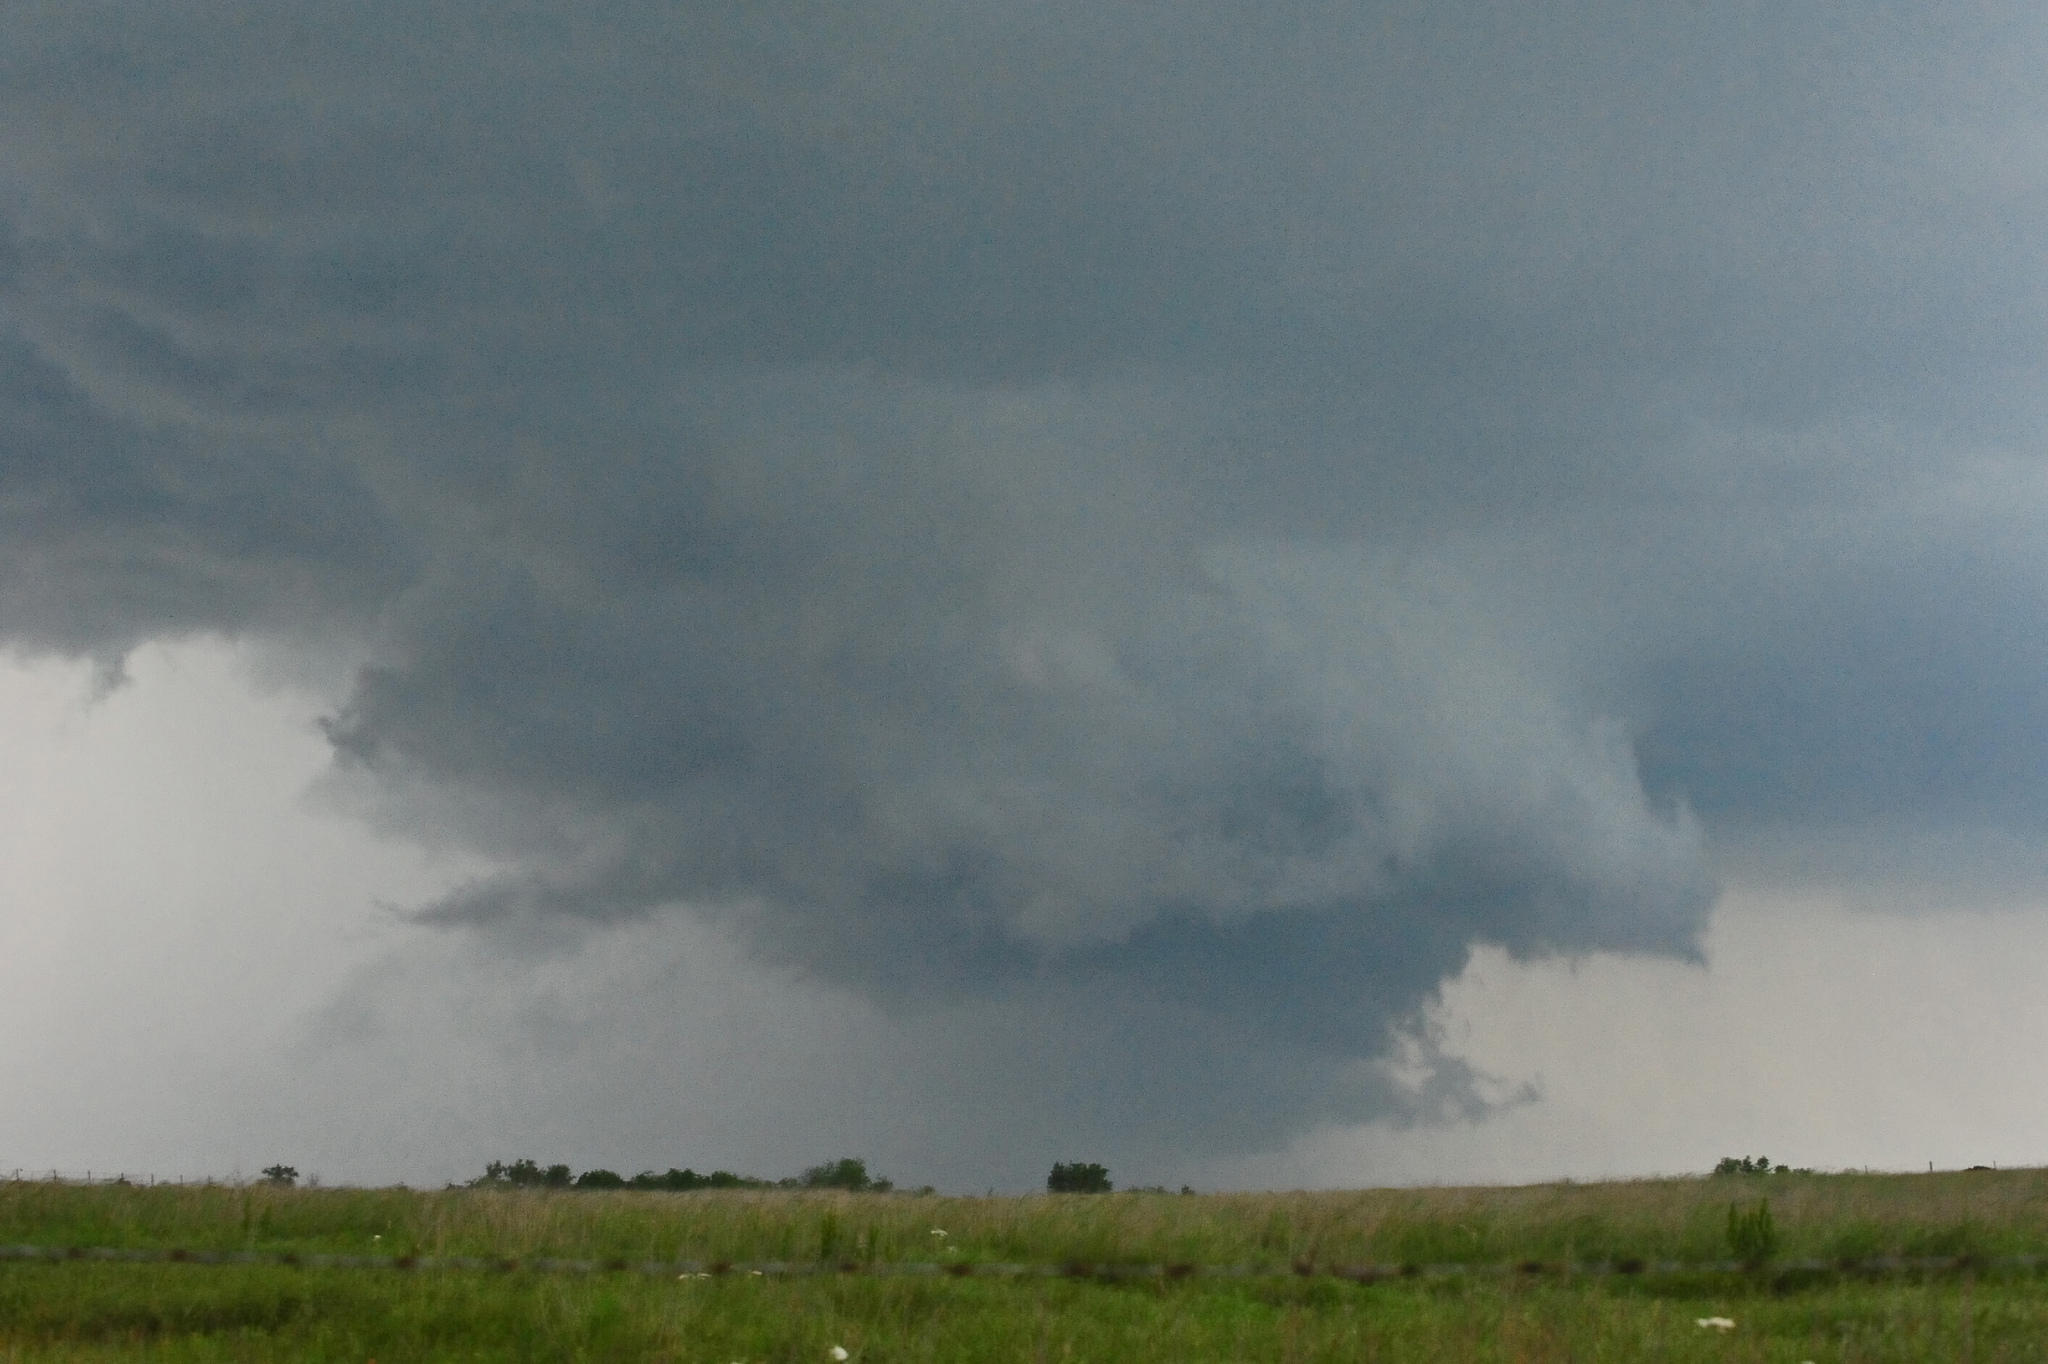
(266, 1312)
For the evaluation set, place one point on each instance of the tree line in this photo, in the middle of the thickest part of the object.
(849, 1173)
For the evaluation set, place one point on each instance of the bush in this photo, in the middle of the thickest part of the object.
(599, 1179)
(1752, 1236)
(1960, 1238)
(1078, 1178)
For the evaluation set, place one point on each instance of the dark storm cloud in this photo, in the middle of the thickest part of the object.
(1187, 507)
(115, 531)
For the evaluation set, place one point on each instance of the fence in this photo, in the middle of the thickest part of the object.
(25, 1175)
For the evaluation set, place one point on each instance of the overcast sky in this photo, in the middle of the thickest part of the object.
(1333, 594)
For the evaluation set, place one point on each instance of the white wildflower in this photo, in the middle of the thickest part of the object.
(1717, 1323)
(838, 1352)
(938, 1233)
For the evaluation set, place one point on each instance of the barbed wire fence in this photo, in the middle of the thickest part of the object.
(38, 1175)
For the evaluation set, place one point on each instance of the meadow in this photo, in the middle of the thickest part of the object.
(1299, 1310)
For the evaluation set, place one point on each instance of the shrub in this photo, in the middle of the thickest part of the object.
(1752, 1236)
(599, 1179)
(1078, 1178)
(1859, 1241)
(1959, 1238)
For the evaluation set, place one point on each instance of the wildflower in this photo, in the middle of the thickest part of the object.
(838, 1352)
(938, 1233)
(1718, 1323)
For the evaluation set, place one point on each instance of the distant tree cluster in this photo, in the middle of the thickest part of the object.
(1754, 1165)
(1078, 1178)
(673, 1180)
(522, 1174)
(849, 1173)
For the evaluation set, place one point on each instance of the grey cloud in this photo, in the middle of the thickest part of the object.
(116, 531)
(956, 765)
(1198, 508)
(448, 1048)
(1912, 686)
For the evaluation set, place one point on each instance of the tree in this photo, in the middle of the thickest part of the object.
(1754, 1165)
(527, 1174)
(285, 1176)
(522, 1174)
(686, 1180)
(848, 1173)
(1078, 1178)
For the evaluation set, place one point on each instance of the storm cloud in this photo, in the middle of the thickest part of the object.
(1129, 520)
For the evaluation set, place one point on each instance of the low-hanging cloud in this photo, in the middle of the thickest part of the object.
(1133, 512)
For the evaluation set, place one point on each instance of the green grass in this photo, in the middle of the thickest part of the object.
(1817, 1216)
(103, 1311)
(180, 1312)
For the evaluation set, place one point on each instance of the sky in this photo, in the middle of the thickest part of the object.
(1338, 595)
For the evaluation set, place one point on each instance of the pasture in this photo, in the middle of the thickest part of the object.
(1292, 1291)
